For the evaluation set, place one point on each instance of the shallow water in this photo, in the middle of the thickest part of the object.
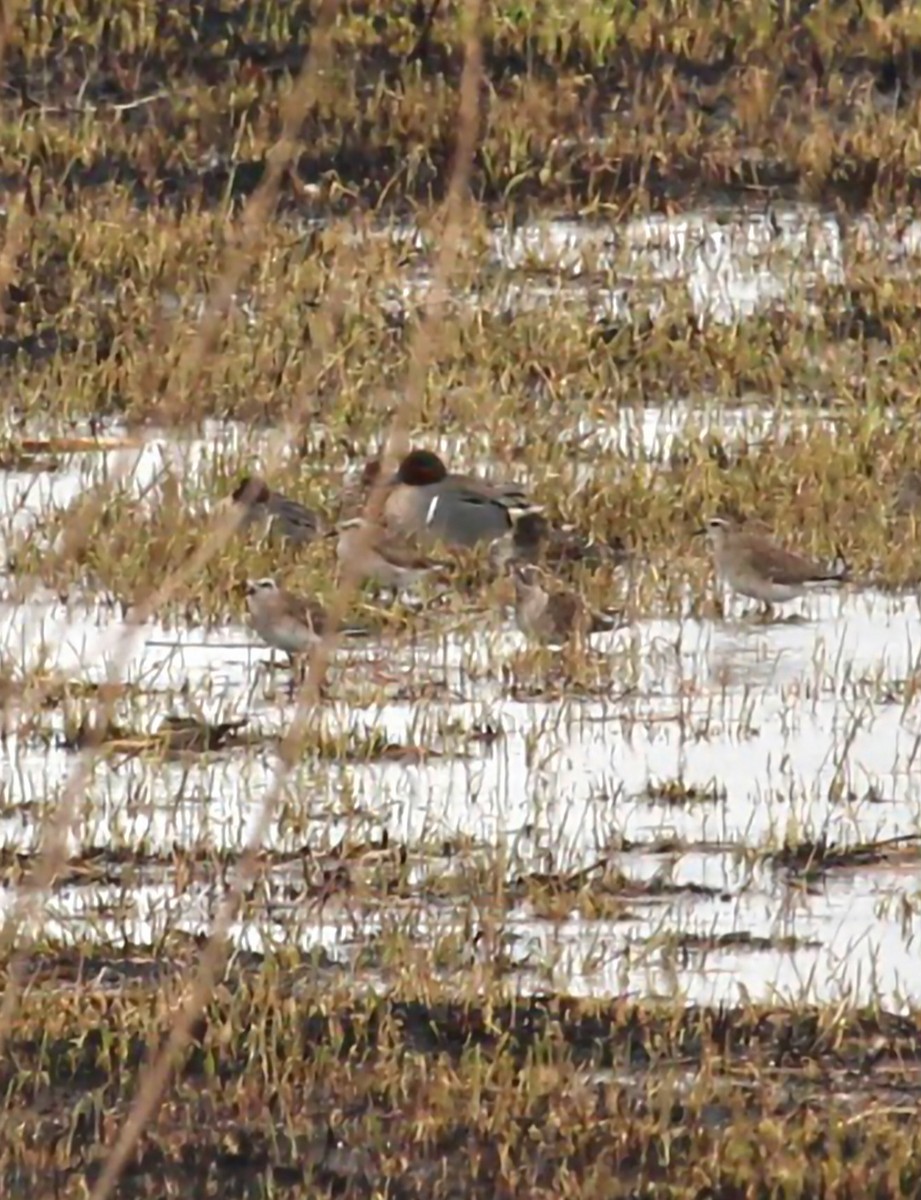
(784, 729)
(729, 263)
(711, 744)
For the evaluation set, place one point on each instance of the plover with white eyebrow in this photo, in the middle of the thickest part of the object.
(381, 555)
(754, 565)
(283, 620)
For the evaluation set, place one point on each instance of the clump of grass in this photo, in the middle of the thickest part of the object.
(812, 858)
(814, 104)
(173, 735)
(736, 940)
(601, 1090)
(675, 793)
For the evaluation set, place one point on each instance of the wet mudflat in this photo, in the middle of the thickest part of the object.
(708, 791)
(610, 1096)
(706, 829)
(634, 918)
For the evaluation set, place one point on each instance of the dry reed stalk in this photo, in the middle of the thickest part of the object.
(54, 834)
(421, 349)
(7, 21)
(156, 1076)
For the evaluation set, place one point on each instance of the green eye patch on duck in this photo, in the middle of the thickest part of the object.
(428, 501)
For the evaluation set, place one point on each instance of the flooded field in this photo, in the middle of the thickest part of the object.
(702, 808)
(712, 808)
(486, 905)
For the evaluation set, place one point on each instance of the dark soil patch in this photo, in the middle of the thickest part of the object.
(374, 1096)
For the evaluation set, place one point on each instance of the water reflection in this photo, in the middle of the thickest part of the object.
(731, 739)
(779, 728)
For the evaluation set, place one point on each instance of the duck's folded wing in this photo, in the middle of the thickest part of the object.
(294, 513)
(474, 491)
(512, 495)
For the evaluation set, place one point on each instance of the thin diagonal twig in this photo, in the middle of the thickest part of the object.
(212, 958)
(54, 835)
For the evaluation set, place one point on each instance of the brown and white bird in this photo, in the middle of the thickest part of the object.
(532, 539)
(283, 620)
(547, 612)
(754, 565)
(381, 555)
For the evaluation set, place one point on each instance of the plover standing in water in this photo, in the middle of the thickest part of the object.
(546, 612)
(754, 565)
(380, 555)
(284, 621)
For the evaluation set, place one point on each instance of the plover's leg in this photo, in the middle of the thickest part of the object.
(299, 665)
(293, 664)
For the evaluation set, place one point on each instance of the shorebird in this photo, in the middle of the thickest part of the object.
(532, 539)
(427, 501)
(283, 620)
(754, 565)
(381, 555)
(547, 612)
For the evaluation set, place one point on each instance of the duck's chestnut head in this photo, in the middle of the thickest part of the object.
(420, 468)
(251, 491)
